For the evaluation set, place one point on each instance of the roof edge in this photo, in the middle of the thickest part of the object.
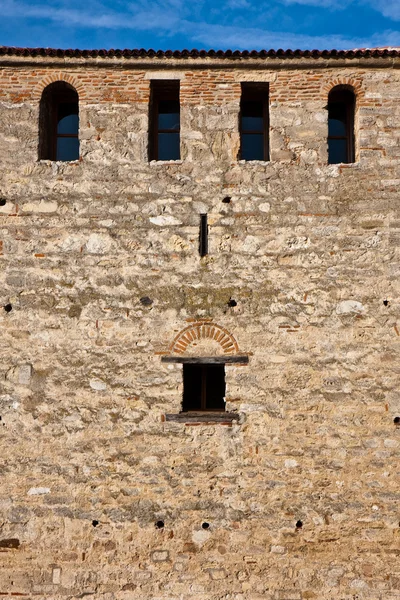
(198, 54)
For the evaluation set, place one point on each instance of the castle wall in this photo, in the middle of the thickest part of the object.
(308, 251)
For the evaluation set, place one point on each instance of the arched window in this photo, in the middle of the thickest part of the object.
(341, 107)
(59, 122)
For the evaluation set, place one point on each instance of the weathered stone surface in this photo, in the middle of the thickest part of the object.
(38, 491)
(99, 261)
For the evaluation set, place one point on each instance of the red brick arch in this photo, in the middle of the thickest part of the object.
(52, 78)
(349, 82)
(204, 330)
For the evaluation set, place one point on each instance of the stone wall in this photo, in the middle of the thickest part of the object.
(100, 272)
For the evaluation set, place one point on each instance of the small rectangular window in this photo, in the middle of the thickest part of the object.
(203, 387)
(254, 122)
(203, 236)
(67, 144)
(341, 105)
(164, 114)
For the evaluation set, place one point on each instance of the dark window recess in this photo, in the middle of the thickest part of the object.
(341, 106)
(59, 123)
(203, 235)
(164, 116)
(254, 122)
(203, 388)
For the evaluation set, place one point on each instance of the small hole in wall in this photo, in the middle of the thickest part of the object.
(299, 524)
(386, 303)
(227, 200)
(231, 302)
(8, 308)
(396, 420)
(160, 525)
(3, 201)
(205, 525)
(95, 523)
(146, 301)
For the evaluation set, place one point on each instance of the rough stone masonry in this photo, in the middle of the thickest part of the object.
(108, 491)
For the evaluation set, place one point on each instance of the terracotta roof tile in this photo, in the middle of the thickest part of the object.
(182, 54)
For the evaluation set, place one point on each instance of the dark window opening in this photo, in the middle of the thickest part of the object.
(203, 237)
(59, 123)
(164, 116)
(203, 387)
(254, 122)
(341, 106)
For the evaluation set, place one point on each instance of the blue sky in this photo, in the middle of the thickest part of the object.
(178, 24)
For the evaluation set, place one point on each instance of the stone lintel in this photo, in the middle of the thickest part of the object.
(207, 360)
(203, 417)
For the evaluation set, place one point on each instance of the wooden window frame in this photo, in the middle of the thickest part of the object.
(58, 100)
(342, 97)
(53, 96)
(162, 90)
(207, 417)
(204, 369)
(256, 92)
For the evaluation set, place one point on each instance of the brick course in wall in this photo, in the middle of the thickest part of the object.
(103, 495)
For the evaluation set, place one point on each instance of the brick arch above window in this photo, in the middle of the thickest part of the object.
(355, 85)
(53, 78)
(204, 337)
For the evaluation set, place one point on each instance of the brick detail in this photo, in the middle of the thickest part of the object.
(349, 82)
(58, 76)
(93, 85)
(209, 87)
(201, 330)
(215, 87)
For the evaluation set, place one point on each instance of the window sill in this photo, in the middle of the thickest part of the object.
(203, 418)
(166, 162)
(49, 161)
(344, 165)
(254, 162)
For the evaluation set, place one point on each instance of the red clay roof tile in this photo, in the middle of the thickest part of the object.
(182, 54)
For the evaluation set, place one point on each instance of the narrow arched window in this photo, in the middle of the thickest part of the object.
(59, 122)
(341, 107)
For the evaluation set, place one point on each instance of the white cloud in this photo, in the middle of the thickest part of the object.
(257, 38)
(142, 20)
(238, 4)
(333, 4)
(388, 8)
(173, 17)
